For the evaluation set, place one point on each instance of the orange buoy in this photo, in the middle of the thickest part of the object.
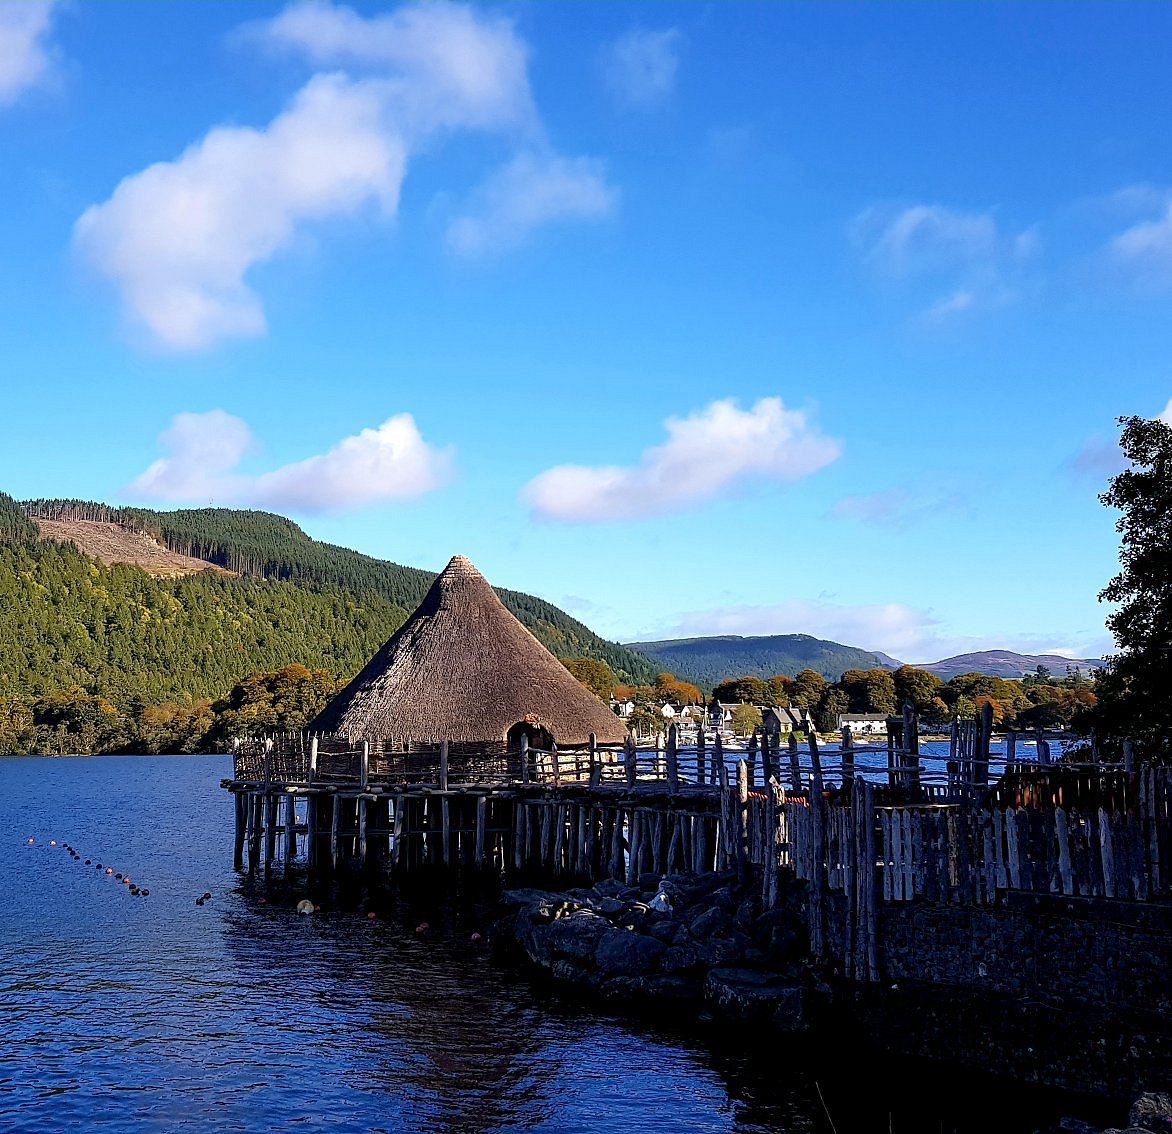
(52, 842)
(30, 842)
(370, 917)
(125, 881)
(109, 870)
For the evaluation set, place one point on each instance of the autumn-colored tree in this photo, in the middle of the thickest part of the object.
(915, 685)
(594, 675)
(282, 701)
(835, 702)
(869, 690)
(779, 690)
(668, 689)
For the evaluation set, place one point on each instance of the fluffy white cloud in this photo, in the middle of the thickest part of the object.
(640, 67)
(25, 59)
(706, 454)
(532, 190)
(392, 462)
(178, 238)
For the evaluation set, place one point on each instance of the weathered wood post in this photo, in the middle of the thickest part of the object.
(751, 758)
(364, 765)
(629, 757)
(361, 848)
(847, 748)
(481, 827)
(443, 766)
(290, 829)
(1043, 748)
(595, 765)
(241, 800)
(701, 769)
(742, 821)
(717, 757)
(1010, 750)
(768, 748)
(311, 774)
(335, 823)
(911, 745)
(795, 762)
(270, 829)
(673, 766)
(892, 774)
(815, 753)
(524, 758)
(553, 761)
(1128, 756)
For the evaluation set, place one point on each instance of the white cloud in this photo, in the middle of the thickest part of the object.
(705, 455)
(968, 254)
(25, 58)
(1146, 247)
(532, 190)
(392, 462)
(905, 632)
(898, 507)
(179, 238)
(640, 67)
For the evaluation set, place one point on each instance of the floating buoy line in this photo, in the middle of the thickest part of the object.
(104, 871)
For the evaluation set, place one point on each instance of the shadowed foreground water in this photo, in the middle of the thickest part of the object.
(120, 1013)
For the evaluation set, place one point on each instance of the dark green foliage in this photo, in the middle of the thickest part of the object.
(262, 545)
(707, 661)
(1133, 692)
(15, 526)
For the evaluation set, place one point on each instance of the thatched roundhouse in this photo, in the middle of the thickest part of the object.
(463, 669)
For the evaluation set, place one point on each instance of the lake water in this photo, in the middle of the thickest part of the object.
(153, 1013)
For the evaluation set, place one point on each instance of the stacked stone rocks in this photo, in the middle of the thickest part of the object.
(1151, 1113)
(714, 945)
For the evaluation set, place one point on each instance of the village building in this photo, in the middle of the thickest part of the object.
(463, 669)
(780, 721)
(860, 723)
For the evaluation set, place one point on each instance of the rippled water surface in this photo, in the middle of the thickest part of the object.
(120, 1013)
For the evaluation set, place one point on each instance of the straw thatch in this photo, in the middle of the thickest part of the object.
(463, 669)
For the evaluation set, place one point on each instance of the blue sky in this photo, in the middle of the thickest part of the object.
(726, 318)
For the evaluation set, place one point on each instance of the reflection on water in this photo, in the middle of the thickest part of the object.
(154, 1013)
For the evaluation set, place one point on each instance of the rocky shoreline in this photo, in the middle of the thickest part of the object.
(684, 940)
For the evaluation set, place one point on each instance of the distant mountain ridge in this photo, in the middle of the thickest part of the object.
(1008, 663)
(707, 661)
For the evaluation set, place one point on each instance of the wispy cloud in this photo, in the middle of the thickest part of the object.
(640, 67)
(26, 57)
(179, 238)
(531, 191)
(714, 451)
(1145, 248)
(932, 248)
(204, 450)
(899, 507)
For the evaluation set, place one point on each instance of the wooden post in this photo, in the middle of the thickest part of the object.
(270, 830)
(313, 758)
(847, 749)
(311, 831)
(984, 736)
(718, 759)
(701, 770)
(524, 758)
(768, 748)
(1043, 748)
(629, 756)
(743, 820)
(673, 766)
(443, 772)
(752, 757)
(361, 848)
(481, 826)
(241, 801)
(553, 761)
(818, 875)
(364, 765)
(815, 754)
(1128, 756)
(911, 747)
(795, 763)
(892, 775)
(335, 823)
(1010, 749)
(595, 765)
(446, 819)
(290, 829)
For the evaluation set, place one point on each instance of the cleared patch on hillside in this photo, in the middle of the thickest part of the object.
(112, 543)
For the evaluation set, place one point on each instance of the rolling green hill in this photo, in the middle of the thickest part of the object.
(67, 620)
(707, 661)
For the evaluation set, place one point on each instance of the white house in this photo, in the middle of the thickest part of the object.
(863, 723)
(780, 721)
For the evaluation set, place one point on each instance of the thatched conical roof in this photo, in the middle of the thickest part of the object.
(463, 669)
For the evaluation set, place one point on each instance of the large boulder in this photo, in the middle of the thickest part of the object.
(622, 952)
(577, 936)
(1152, 1111)
(750, 995)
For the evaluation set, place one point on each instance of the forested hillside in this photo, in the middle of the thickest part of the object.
(708, 661)
(264, 546)
(97, 657)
